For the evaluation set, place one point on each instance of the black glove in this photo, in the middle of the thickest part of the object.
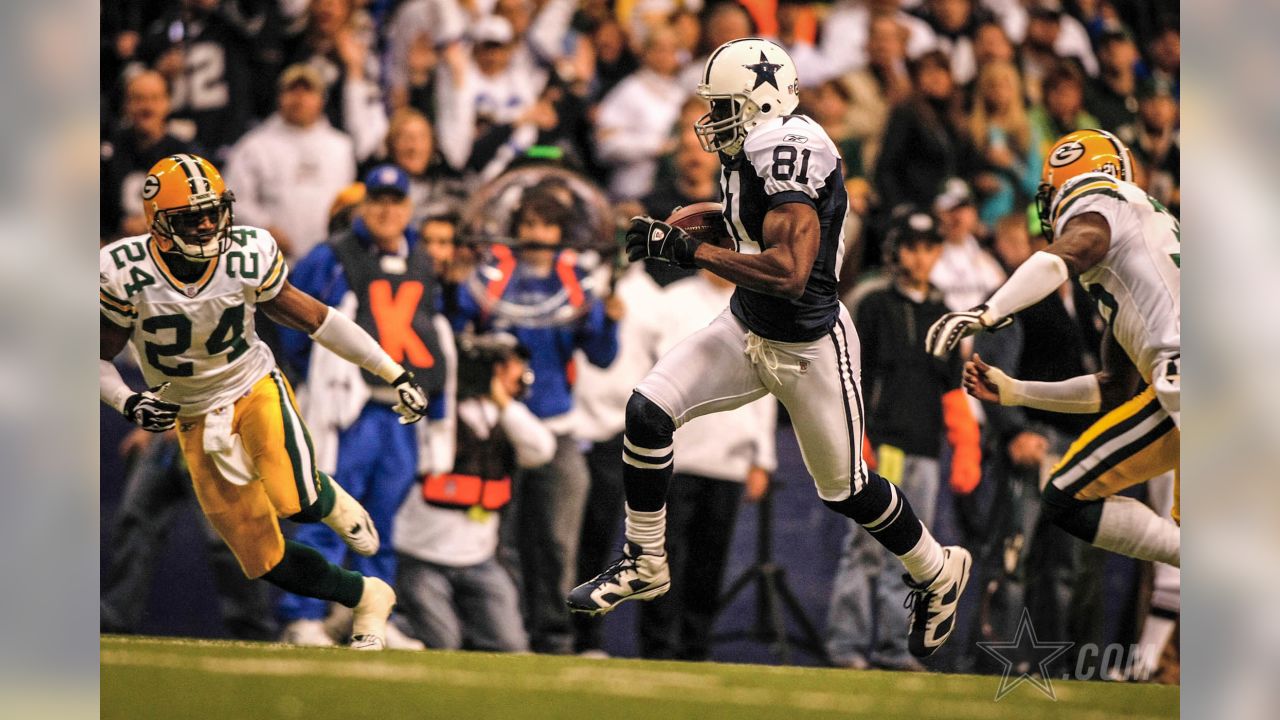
(149, 412)
(649, 238)
(413, 399)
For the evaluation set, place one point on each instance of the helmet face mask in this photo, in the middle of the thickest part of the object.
(188, 206)
(747, 81)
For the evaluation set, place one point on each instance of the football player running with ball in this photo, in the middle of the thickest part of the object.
(185, 296)
(784, 333)
(1124, 247)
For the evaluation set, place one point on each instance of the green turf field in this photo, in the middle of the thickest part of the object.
(177, 679)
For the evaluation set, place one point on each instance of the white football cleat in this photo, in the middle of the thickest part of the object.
(306, 632)
(933, 604)
(369, 616)
(352, 522)
(636, 575)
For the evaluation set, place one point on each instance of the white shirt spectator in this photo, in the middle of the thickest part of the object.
(600, 395)
(724, 446)
(459, 538)
(286, 176)
(440, 21)
(633, 127)
(1073, 39)
(499, 99)
(844, 36)
(966, 274)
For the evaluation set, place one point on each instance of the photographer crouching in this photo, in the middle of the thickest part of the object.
(451, 589)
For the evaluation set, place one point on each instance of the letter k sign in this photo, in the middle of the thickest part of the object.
(393, 315)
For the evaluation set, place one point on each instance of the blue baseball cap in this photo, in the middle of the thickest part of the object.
(387, 179)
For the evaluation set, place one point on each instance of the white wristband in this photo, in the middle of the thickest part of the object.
(344, 338)
(111, 387)
(1040, 275)
(1075, 395)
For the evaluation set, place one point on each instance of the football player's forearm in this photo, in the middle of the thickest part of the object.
(344, 338)
(1040, 275)
(111, 387)
(1081, 394)
(771, 272)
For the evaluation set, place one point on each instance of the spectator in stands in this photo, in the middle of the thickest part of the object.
(955, 22)
(434, 189)
(286, 171)
(1165, 53)
(794, 19)
(600, 398)
(1053, 37)
(207, 57)
(1007, 141)
(991, 43)
(634, 121)
(844, 32)
(926, 139)
(1063, 108)
(697, 172)
(338, 41)
(381, 274)
(966, 273)
(494, 101)
(722, 461)
(725, 21)
(551, 498)
(913, 399)
(614, 58)
(1112, 97)
(420, 33)
(450, 587)
(1153, 138)
(130, 151)
(880, 86)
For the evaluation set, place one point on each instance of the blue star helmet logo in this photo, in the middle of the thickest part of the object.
(765, 72)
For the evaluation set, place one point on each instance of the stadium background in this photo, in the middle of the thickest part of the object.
(807, 537)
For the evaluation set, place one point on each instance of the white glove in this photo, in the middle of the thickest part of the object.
(951, 328)
(413, 399)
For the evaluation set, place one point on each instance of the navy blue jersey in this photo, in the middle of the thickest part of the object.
(784, 160)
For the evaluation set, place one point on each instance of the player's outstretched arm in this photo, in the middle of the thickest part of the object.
(792, 234)
(1113, 384)
(1083, 243)
(344, 338)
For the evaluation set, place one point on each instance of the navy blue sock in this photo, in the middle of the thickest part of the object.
(884, 512)
(646, 454)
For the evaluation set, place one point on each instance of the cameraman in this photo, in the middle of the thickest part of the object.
(450, 587)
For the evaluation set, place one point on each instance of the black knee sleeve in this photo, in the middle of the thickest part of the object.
(1078, 517)
(648, 425)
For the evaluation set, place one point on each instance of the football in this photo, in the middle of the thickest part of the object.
(704, 222)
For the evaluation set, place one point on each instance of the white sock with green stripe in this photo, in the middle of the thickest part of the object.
(1130, 528)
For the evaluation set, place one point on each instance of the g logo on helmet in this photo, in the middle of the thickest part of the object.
(1067, 153)
(150, 187)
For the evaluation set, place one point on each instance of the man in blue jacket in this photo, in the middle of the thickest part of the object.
(380, 274)
(550, 500)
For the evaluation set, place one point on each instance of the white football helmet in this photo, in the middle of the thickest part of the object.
(747, 82)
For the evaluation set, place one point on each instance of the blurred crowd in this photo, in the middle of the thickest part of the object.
(387, 118)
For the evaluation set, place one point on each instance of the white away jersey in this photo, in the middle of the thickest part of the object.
(199, 336)
(786, 160)
(1137, 284)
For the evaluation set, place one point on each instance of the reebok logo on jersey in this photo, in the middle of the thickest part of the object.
(797, 139)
